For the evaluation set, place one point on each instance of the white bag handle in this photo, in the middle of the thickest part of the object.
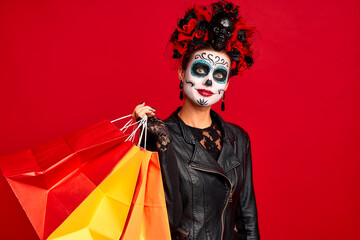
(131, 137)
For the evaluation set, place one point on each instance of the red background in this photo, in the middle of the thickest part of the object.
(65, 65)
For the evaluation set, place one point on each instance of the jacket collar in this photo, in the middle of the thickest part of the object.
(189, 138)
(201, 159)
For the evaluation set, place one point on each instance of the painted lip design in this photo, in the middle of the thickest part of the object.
(204, 92)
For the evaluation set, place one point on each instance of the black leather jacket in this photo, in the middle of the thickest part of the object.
(208, 199)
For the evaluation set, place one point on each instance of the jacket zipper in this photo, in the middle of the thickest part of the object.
(232, 190)
(227, 201)
(183, 232)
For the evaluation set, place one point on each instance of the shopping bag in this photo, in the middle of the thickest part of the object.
(148, 217)
(102, 215)
(82, 186)
(52, 180)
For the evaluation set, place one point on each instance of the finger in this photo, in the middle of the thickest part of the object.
(140, 105)
(142, 109)
(134, 114)
(151, 114)
(145, 111)
(148, 108)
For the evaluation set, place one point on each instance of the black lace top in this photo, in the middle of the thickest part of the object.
(210, 138)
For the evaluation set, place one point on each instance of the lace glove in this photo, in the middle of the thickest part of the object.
(158, 137)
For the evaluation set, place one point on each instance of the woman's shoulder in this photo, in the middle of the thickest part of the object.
(171, 121)
(236, 131)
(173, 125)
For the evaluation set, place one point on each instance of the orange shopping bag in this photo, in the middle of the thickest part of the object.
(148, 218)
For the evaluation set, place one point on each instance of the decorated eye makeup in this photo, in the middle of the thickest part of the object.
(200, 69)
(220, 75)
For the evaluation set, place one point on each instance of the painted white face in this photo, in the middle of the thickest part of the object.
(206, 77)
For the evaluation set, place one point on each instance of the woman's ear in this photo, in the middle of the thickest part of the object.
(181, 73)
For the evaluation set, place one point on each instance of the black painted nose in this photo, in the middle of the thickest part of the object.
(208, 83)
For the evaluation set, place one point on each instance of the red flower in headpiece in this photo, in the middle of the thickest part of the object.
(242, 66)
(239, 46)
(181, 48)
(226, 8)
(199, 33)
(189, 27)
(202, 13)
(233, 65)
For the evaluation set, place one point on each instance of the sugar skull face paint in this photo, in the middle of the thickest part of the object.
(206, 77)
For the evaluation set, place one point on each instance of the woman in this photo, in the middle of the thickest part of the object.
(205, 161)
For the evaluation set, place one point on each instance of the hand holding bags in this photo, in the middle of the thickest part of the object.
(81, 185)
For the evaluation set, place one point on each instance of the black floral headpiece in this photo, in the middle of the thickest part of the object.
(219, 25)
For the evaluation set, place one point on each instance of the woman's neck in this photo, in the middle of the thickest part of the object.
(195, 115)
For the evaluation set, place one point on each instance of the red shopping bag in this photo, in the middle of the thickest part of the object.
(50, 181)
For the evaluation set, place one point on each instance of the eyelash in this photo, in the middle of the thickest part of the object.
(225, 75)
(199, 61)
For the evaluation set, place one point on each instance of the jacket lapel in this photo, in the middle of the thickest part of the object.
(201, 159)
(227, 159)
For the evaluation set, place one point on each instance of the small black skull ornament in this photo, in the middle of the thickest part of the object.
(220, 32)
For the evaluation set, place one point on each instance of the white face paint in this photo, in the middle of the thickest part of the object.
(206, 77)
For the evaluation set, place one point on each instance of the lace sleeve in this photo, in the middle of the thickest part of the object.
(158, 135)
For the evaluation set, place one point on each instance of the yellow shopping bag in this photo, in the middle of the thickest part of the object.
(102, 215)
